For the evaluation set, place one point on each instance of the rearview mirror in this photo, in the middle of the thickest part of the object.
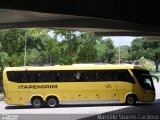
(155, 77)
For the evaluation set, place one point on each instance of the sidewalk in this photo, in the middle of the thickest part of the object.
(1, 96)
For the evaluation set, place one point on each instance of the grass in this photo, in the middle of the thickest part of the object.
(154, 69)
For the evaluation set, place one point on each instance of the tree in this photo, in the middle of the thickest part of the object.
(68, 46)
(124, 53)
(53, 51)
(76, 47)
(4, 59)
(87, 48)
(64, 47)
(142, 47)
(12, 42)
(106, 51)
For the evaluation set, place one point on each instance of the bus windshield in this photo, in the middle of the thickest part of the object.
(144, 78)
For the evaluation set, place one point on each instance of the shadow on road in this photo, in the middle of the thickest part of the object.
(145, 109)
(139, 106)
(66, 106)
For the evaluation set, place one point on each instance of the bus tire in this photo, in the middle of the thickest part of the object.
(131, 100)
(37, 102)
(52, 102)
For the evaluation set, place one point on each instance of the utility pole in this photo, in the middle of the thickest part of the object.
(25, 53)
(119, 51)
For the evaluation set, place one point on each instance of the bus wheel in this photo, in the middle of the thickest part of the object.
(52, 102)
(131, 100)
(37, 102)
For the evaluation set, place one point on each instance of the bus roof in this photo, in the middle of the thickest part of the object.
(76, 67)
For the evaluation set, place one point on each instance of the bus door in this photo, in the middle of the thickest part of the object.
(149, 89)
(146, 83)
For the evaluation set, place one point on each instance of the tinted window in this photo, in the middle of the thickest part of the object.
(70, 76)
(15, 76)
(32, 76)
(124, 75)
(66, 76)
(144, 79)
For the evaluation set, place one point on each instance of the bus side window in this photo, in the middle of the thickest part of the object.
(15, 76)
(53, 77)
(65, 76)
(107, 75)
(68, 76)
(96, 76)
(42, 76)
(25, 77)
(83, 77)
(35, 76)
(86, 76)
(124, 75)
(115, 75)
(45, 76)
(19, 77)
(72, 76)
(57, 77)
(39, 77)
(32, 76)
(78, 74)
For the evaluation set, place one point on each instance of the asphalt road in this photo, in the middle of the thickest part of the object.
(141, 111)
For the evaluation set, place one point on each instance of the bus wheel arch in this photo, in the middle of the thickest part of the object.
(52, 101)
(37, 101)
(131, 99)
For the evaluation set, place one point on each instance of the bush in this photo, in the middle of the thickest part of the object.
(148, 64)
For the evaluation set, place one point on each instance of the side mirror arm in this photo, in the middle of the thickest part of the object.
(152, 76)
(155, 77)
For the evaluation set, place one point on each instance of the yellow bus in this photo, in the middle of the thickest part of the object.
(77, 83)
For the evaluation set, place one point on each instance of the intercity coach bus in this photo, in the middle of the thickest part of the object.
(77, 83)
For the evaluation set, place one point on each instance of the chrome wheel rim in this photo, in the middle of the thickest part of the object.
(51, 102)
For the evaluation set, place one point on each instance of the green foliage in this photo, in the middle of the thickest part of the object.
(52, 51)
(143, 47)
(146, 63)
(76, 47)
(124, 51)
(87, 52)
(4, 59)
(64, 47)
(68, 46)
(106, 51)
(12, 42)
(16, 59)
